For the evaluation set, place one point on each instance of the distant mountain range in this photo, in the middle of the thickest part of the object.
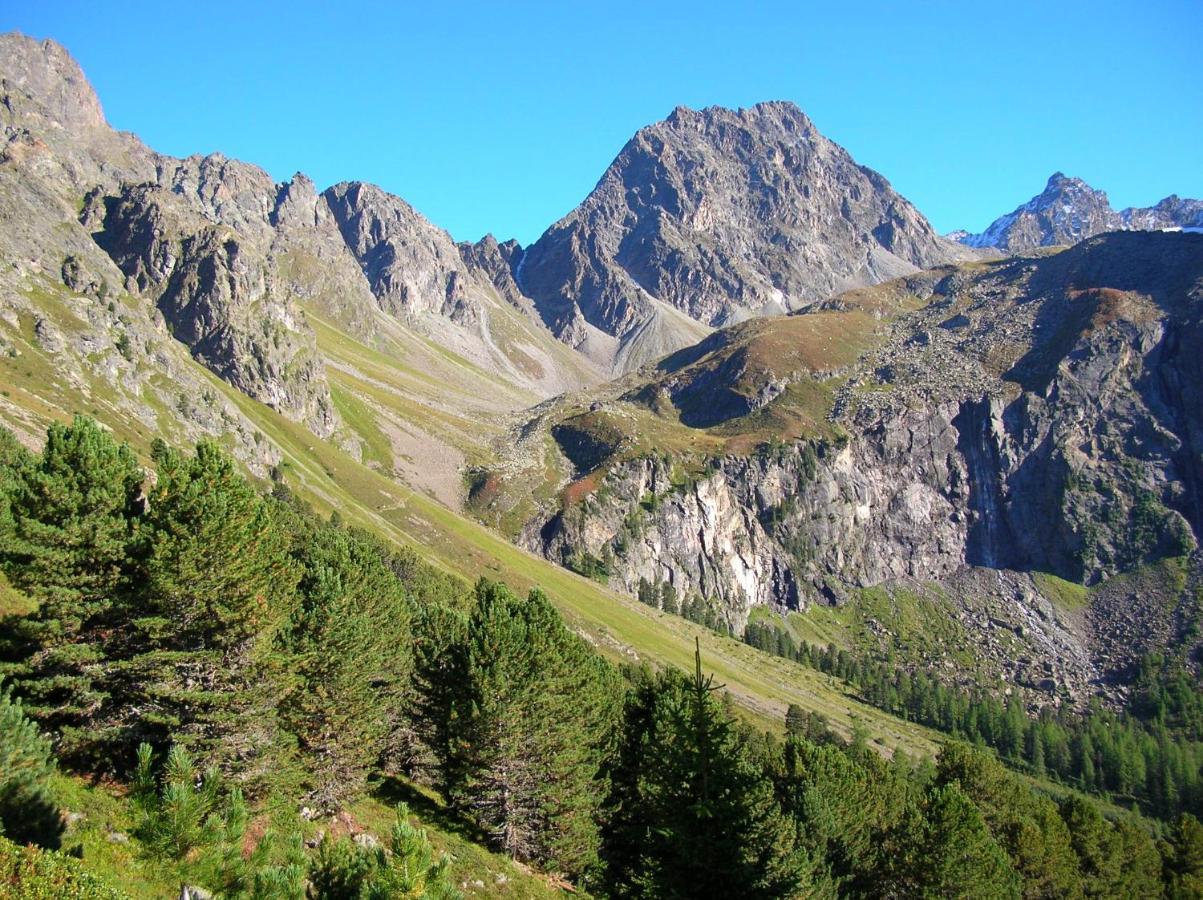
(1069, 210)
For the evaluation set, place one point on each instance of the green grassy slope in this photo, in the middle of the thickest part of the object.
(617, 625)
(102, 825)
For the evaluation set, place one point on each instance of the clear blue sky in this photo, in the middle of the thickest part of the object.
(501, 116)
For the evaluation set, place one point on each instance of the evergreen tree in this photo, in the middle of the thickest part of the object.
(795, 720)
(181, 810)
(1025, 824)
(438, 678)
(1115, 860)
(958, 857)
(692, 814)
(204, 667)
(1184, 861)
(528, 728)
(854, 815)
(349, 643)
(15, 464)
(67, 543)
(27, 812)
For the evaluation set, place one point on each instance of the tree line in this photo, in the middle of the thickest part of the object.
(1151, 754)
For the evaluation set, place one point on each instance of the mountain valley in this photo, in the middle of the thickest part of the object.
(742, 407)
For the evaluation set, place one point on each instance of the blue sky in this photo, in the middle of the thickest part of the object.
(501, 117)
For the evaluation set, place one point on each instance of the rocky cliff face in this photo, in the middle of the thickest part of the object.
(192, 236)
(1069, 210)
(215, 289)
(1033, 415)
(721, 214)
(412, 266)
(233, 260)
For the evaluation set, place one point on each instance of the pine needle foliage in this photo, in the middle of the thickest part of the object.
(692, 812)
(183, 810)
(530, 717)
(350, 646)
(68, 540)
(28, 813)
(408, 869)
(205, 669)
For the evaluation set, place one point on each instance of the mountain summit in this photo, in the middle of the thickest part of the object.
(718, 215)
(1069, 210)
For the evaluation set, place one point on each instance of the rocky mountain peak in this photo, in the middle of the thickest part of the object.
(296, 203)
(227, 191)
(1062, 185)
(1065, 212)
(782, 113)
(42, 81)
(412, 265)
(720, 214)
(1069, 210)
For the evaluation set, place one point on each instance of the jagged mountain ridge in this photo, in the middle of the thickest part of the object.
(1069, 210)
(236, 264)
(720, 214)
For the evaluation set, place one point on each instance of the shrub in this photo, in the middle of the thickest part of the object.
(183, 811)
(27, 873)
(343, 870)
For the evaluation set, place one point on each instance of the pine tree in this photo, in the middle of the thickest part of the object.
(349, 643)
(27, 812)
(527, 728)
(1184, 862)
(795, 720)
(15, 464)
(958, 857)
(1115, 860)
(691, 812)
(850, 809)
(204, 669)
(181, 811)
(1025, 824)
(406, 870)
(438, 679)
(71, 533)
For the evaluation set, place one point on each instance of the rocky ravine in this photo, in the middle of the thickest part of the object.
(1069, 210)
(1036, 414)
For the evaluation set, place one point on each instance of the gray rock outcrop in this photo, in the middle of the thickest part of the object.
(1045, 421)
